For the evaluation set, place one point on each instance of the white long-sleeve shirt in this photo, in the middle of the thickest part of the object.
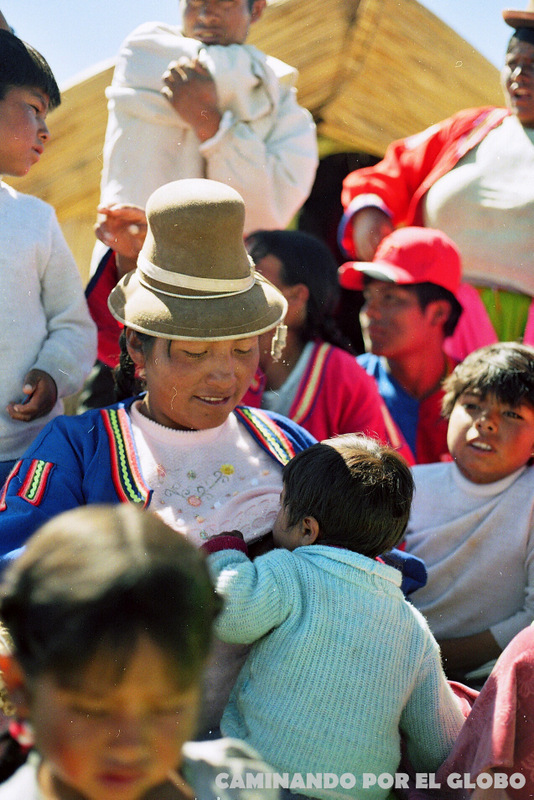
(265, 147)
(477, 541)
(45, 323)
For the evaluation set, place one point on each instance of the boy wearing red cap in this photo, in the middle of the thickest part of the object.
(410, 308)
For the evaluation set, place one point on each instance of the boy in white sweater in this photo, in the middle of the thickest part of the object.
(47, 338)
(341, 664)
(472, 519)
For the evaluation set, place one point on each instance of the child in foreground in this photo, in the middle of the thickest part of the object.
(341, 664)
(472, 520)
(47, 339)
(110, 613)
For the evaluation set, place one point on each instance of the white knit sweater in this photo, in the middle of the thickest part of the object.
(45, 323)
(477, 541)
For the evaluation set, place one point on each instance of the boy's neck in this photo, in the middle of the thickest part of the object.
(420, 376)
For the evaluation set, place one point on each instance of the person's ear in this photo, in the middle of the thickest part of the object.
(134, 346)
(297, 297)
(309, 530)
(440, 311)
(258, 7)
(16, 684)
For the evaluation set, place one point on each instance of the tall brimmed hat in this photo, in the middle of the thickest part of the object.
(520, 19)
(407, 256)
(194, 278)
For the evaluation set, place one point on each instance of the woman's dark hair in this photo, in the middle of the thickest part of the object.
(305, 259)
(97, 578)
(22, 66)
(359, 491)
(505, 370)
(127, 382)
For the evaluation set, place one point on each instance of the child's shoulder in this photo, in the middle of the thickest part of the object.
(23, 783)
(206, 762)
(20, 202)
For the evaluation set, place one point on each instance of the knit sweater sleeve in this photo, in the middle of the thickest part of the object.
(432, 717)
(255, 595)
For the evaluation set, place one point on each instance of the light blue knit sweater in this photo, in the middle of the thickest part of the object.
(341, 664)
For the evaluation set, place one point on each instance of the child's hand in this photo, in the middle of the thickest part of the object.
(123, 228)
(235, 534)
(192, 93)
(41, 391)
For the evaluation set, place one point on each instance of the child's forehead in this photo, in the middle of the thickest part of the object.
(34, 91)
(110, 668)
(494, 397)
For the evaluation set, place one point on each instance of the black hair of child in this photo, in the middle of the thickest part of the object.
(504, 370)
(359, 491)
(94, 580)
(21, 66)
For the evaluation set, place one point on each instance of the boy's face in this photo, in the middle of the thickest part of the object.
(393, 323)
(110, 740)
(23, 130)
(488, 439)
(219, 21)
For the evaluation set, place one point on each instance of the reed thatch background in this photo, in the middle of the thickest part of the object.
(370, 71)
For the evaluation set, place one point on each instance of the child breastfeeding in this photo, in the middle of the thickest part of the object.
(341, 665)
(110, 615)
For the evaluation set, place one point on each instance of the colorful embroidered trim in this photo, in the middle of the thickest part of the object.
(481, 129)
(125, 473)
(11, 475)
(34, 485)
(267, 433)
(312, 383)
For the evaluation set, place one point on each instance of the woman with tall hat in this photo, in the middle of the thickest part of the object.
(183, 448)
(471, 176)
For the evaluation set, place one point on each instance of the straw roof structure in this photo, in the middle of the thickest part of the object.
(370, 71)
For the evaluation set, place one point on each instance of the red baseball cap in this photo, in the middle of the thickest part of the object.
(407, 256)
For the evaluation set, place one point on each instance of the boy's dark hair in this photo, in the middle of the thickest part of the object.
(96, 579)
(22, 66)
(430, 292)
(305, 259)
(505, 370)
(359, 491)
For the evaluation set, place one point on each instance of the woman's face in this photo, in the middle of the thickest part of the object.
(194, 385)
(518, 81)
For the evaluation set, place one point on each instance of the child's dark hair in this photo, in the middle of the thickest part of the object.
(505, 370)
(97, 578)
(359, 491)
(22, 66)
(305, 259)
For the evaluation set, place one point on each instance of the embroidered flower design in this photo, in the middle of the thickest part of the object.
(192, 474)
(194, 500)
(227, 469)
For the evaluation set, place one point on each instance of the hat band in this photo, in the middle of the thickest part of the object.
(220, 285)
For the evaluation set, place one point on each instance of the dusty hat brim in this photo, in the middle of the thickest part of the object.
(518, 19)
(256, 310)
